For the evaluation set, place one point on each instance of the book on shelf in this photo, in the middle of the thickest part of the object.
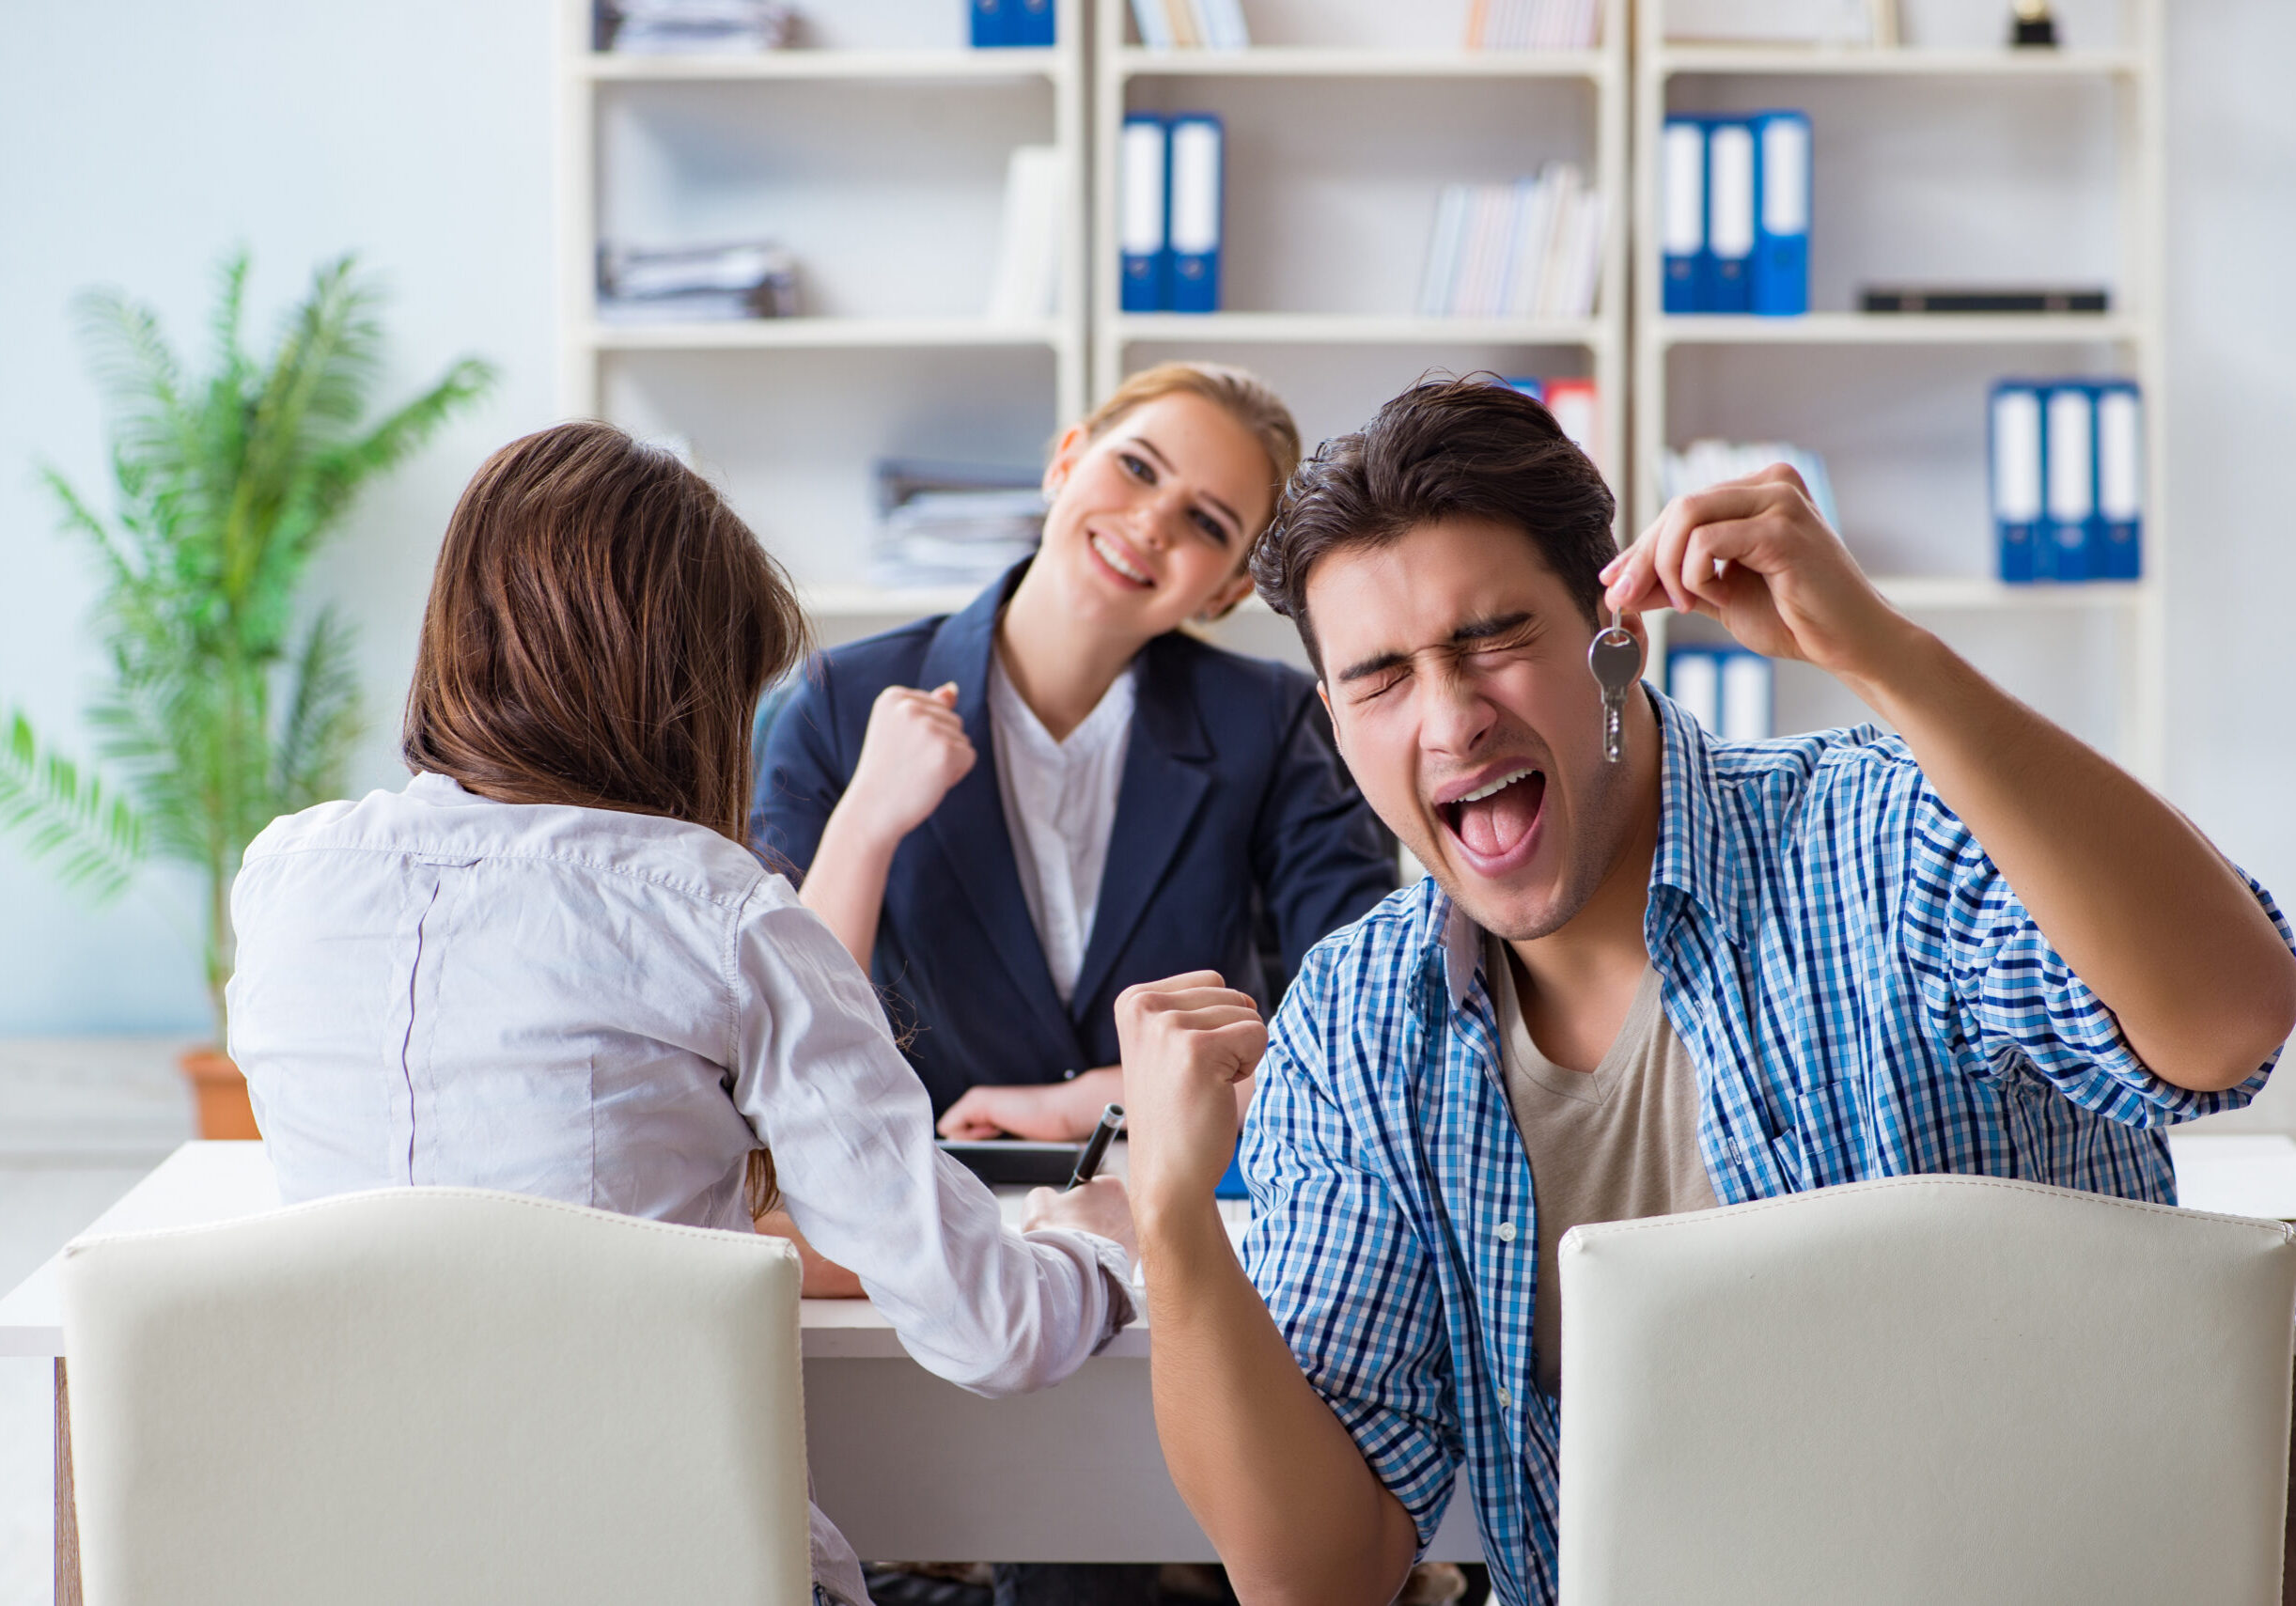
(2067, 466)
(1009, 23)
(1980, 299)
(1026, 287)
(691, 27)
(1529, 249)
(695, 284)
(1575, 404)
(1727, 689)
(1533, 25)
(1709, 462)
(1171, 207)
(1734, 212)
(953, 523)
(1191, 25)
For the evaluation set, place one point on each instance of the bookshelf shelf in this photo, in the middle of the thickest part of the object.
(1329, 214)
(894, 66)
(1896, 329)
(1753, 61)
(880, 162)
(1350, 329)
(1341, 61)
(819, 334)
(1938, 166)
(1929, 593)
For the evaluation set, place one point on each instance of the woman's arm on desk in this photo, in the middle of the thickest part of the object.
(850, 1125)
(1049, 1111)
(914, 751)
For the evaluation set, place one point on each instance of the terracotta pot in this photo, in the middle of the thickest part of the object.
(221, 1093)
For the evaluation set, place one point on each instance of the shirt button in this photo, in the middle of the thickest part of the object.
(1507, 1232)
(1506, 1399)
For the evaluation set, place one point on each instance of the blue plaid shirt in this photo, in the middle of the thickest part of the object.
(1863, 994)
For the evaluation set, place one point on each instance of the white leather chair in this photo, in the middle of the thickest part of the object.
(436, 1395)
(1932, 1389)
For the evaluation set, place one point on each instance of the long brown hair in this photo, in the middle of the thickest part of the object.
(601, 626)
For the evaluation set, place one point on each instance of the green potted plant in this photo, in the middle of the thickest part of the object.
(228, 702)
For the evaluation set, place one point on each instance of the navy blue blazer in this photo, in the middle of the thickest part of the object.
(1233, 804)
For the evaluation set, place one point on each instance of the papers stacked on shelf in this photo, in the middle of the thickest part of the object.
(691, 27)
(1704, 463)
(1191, 25)
(1529, 249)
(1533, 24)
(953, 523)
(695, 284)
(1027, 288)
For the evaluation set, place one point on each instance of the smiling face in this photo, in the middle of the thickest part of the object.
(1148, 522)
(1455, 666)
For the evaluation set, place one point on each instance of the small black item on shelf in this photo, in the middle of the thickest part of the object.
(2031, 26)
(1977, 300)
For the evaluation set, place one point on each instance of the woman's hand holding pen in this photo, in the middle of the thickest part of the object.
(915, 750)
(1098, 1206)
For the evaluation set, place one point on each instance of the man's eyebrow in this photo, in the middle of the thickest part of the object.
(1473, 631)
(1163, 463)
(1496, 625)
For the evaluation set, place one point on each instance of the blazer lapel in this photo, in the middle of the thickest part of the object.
(969, 825)
(1166, 775)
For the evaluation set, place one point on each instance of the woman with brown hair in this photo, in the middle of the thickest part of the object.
(549, 965)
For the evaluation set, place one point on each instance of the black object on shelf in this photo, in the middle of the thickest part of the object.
(2032, 27)
(1965, 301)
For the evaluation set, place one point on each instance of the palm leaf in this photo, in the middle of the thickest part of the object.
(322, 718)
(94, 838)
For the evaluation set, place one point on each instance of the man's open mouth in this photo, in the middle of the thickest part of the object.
(1492, 821)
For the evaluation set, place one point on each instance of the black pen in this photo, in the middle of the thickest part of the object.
(1096, 1146)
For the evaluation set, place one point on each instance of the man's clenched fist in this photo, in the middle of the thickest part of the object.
(1187, 1041)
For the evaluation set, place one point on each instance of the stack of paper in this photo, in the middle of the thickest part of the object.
(1529, 249)
(689, 284)
(953, 523)
(1027, 288)
(1533, 24)
(1191, 25)
(693, 28)
(1705, 463)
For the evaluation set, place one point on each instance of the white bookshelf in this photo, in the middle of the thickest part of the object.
(1948, 159)
(876, 152)
(1345, 120)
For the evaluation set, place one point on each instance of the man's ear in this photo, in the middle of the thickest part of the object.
(1325, 693)
(1073, 443)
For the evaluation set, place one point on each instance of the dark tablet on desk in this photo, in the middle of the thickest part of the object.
(1013, 1162)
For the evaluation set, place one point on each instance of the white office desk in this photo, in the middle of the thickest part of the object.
(912, 1468)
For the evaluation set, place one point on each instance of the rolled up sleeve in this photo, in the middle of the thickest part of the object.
(1345, 1276)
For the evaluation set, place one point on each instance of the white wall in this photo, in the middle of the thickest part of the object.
(139, 140)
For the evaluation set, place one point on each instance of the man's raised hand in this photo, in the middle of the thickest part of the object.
(1754, 554)
(1187, 1041)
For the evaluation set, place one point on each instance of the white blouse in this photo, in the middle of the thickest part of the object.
(1060, 810)
(613, 1010)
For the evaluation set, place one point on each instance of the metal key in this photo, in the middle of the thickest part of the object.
(1615, 659)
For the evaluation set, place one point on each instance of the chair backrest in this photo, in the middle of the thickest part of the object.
(1922, 1390)
(436, 1394)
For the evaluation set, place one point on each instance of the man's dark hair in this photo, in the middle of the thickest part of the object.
(1472, 447)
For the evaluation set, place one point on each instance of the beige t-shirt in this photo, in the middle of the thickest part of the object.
(1610, 1144)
